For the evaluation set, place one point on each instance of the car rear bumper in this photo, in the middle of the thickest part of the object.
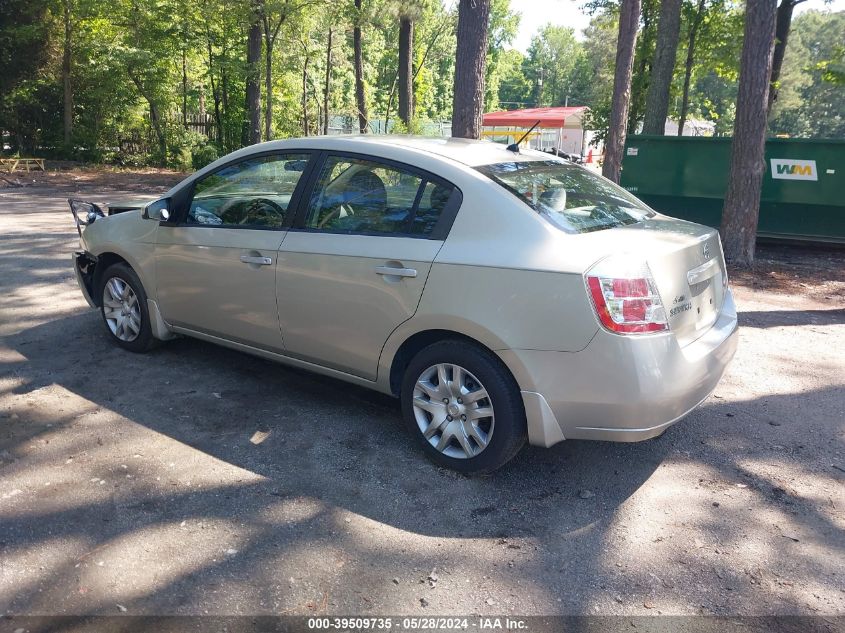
(621, 388)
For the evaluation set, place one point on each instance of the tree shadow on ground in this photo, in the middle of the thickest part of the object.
(336, 449)
(780, 318)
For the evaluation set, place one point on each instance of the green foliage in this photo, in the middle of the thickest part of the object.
(811, 98)
(504, 25)
(515, 89)
(716, 70)
(130, 96)
(643, 57)
(557, 69)
(164, 81)
(27, 88)
(833, 70)
(600, 53)
(554, 59)
(714, 99)
(203, 155)
(415, 127)
(715, 62)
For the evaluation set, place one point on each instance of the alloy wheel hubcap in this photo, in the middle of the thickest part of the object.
(453, 411)
(121, 309)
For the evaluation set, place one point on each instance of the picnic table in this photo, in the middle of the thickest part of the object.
(12, 164)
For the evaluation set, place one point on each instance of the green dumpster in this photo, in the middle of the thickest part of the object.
(803, 195)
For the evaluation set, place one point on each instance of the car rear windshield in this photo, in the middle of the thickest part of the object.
(570, 197)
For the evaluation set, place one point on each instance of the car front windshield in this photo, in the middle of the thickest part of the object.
(570, 197)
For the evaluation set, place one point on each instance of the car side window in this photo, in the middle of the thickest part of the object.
(367, 197)
(433, 201)
(255, 193)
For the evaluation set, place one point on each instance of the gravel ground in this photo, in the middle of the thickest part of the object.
(133, 484)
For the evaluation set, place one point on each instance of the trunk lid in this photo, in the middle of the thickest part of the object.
(688, 267)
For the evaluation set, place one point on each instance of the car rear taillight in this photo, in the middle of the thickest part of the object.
(625, 297)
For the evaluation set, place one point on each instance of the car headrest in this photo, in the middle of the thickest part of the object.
(366, 193)
(554, 199)
(440, 196)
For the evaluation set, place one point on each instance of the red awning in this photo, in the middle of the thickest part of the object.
(548, 117)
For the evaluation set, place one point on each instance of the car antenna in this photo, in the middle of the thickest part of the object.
(514, 147)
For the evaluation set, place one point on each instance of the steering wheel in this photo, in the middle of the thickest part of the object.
(262, 209)
(334, 213)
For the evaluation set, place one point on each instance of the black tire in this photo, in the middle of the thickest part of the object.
(508, 433)
(144, 340)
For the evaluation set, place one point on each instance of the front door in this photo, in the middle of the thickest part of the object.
(216, 269)
(355, 267)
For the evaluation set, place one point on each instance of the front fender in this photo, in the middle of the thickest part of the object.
(129, 237)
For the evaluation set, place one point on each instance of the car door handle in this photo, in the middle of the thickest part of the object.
(261, 261)
(396, 272)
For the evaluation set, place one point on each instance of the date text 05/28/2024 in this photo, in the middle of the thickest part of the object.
(417, 624)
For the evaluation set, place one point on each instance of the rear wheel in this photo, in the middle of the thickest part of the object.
(124, 309)
(464, 406)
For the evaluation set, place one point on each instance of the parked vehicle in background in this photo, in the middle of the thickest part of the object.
(503, 296)
(572, 158)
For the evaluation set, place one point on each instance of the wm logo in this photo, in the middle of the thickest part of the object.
(789, 169)
(801, 170)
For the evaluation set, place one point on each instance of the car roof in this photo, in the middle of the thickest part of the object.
(469, 152)
(466, 153)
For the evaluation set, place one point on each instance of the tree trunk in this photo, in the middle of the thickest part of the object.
(396, 76)
(642, 70)
(660, 84)
(184, 89)
(253, 79)
(268, 84)
(427, 50)
(328, 84)
(360, 97)
(305, 98)
(629, 17)
(270, 34)
(67, 83)
(215, 93)
(693, 34)
(390, 101)
(202, 111)
(742, 201)
(782, 28)
(470, 63)
(155, 117)
(227, 131)
(218, 119)
(406, 71)
(224, 98)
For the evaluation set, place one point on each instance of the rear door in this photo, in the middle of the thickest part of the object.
(216, 268)
(354, 266)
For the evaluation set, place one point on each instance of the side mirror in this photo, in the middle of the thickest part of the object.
(158, 210)
(85, 213)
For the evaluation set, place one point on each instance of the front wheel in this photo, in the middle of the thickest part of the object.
(464, 406)
(124, 309)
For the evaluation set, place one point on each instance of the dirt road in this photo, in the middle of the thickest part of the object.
(130, 484)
